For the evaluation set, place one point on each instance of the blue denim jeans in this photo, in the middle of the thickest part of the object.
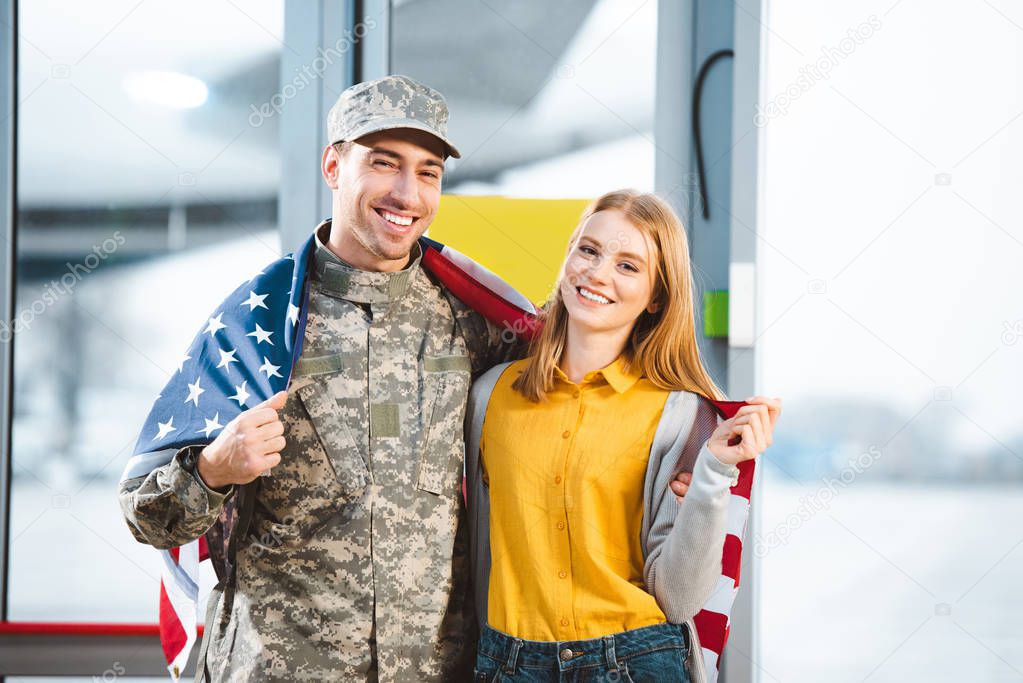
(652, 653)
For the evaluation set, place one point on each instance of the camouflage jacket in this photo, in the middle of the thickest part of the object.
(355, 563)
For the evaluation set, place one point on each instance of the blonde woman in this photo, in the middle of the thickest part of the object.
(587, 568)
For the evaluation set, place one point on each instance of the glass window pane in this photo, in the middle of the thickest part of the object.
(145, 195)
(888, 539)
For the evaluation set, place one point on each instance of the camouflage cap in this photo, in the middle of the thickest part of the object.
(386, 103)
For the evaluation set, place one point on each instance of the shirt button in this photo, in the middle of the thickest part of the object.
(565, 434)
(564, 622)
(562, 574)
(566, 654)
(575, 393)
(557, 479)
(561, 525)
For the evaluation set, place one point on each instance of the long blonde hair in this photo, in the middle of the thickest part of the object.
(662, 344)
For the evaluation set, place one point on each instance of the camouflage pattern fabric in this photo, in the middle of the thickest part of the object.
(355, 565)
(385, 103)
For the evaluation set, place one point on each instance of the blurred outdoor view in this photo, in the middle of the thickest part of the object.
(892, 323)
(887, 538)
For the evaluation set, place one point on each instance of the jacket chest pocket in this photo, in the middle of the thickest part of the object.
(334, 434)
(446, 387)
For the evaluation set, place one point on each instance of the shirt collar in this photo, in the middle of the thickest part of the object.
(338, 278)
(615, 374)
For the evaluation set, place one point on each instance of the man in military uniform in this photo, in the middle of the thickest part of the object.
(354, 566)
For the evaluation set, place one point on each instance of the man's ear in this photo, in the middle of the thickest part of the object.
(330, 166)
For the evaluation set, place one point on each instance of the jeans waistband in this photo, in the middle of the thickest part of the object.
(573, 654)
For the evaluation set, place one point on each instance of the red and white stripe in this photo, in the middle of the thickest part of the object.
(179, 585)
(712, 623)
(482, 290)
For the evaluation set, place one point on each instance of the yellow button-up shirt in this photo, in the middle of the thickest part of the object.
(566, 505)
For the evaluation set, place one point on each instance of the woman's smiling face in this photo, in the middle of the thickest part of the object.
(608, 278)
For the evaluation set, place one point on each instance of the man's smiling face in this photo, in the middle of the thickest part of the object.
(387, 188)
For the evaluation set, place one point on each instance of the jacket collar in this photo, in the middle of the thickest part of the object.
(337, 278)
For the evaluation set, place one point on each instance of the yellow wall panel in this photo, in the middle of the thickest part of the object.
(522, 240)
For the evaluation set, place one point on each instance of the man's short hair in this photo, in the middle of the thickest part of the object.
(342, 147)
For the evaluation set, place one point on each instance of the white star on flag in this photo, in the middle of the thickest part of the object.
(181, 363)
(165, 428)
(212, 425)
(293, 313)
(193, 392)
(240, 395)
(227, 357)
(215, 325)
(269, 368)
(255, 300)
(261, 335)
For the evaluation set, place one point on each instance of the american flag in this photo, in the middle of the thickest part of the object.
(244, 354)
(712, 622)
